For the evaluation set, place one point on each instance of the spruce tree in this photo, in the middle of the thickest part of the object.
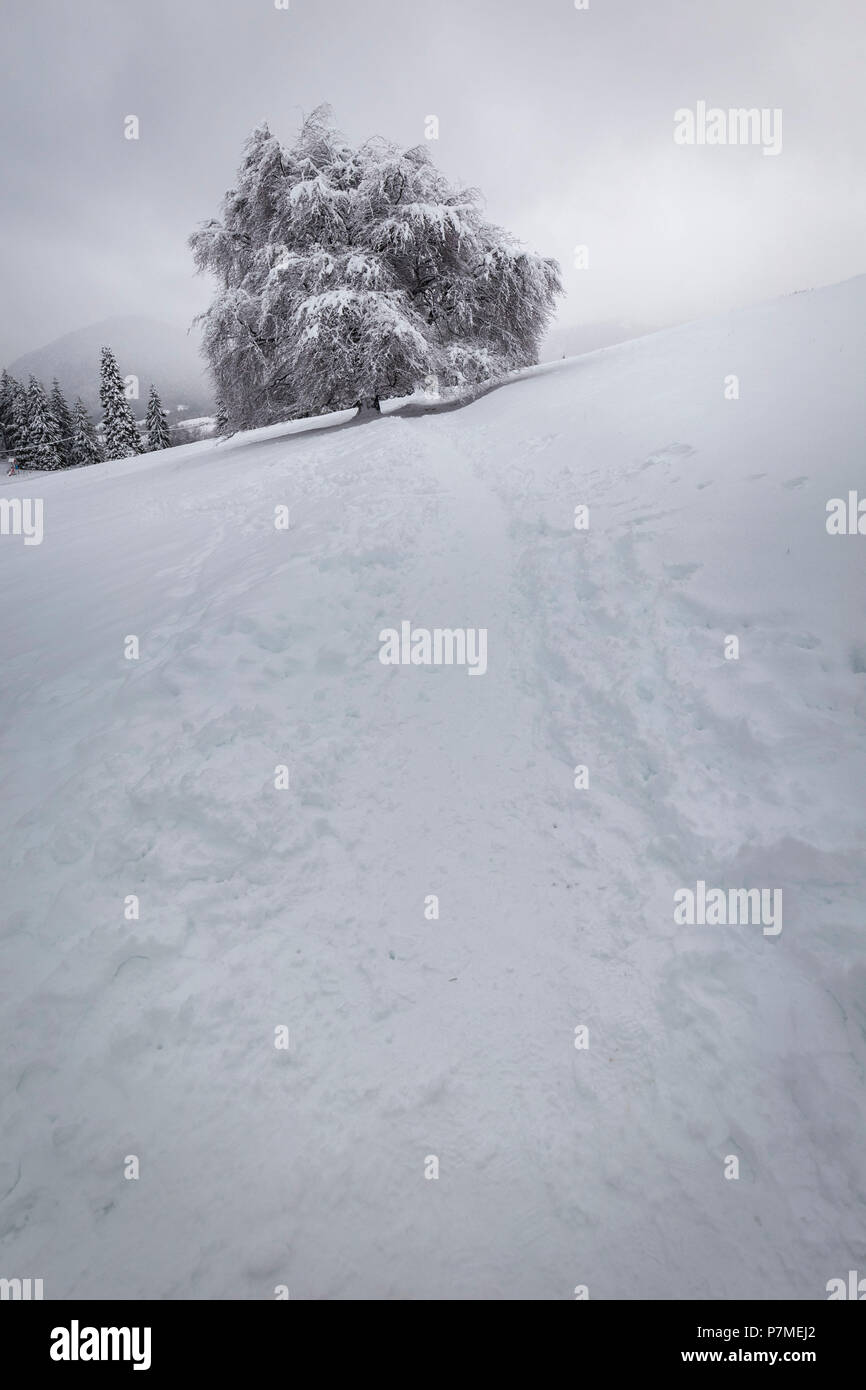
(63, 416)
(21, 426)
(85, 445)
(121, 434)
(8, 389)
(158, 435)
(44, 450)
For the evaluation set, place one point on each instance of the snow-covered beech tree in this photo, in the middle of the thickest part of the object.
(349, 275)
(44, 447)
(85, 445)
(118, 423)
(158, 433)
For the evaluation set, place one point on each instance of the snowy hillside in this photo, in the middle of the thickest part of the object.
(412, 1037)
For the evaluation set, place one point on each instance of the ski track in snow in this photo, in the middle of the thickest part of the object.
(452, 1037)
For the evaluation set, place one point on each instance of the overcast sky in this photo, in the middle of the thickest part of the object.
(563, 118)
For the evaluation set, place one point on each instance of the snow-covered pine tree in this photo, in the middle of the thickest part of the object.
(85, 445)
(61, 412)
(21, 426)
(158, 433)
(122, 439)
(8, 388)
(349, 275)
(43, 445)
(221, 419)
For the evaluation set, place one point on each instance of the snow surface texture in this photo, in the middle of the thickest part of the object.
(304, 907)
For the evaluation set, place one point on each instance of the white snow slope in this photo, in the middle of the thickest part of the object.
(304, 907)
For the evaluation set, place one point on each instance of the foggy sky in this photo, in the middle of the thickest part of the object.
(563, 119)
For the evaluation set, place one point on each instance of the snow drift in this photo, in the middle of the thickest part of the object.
(412, 1036)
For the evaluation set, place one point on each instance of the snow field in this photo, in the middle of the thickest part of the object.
(453, 1037)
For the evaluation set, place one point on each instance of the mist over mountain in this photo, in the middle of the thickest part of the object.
(155, 352)
(574, 339)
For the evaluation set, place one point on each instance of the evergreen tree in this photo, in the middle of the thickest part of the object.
(158, 434)
(43, 445)
(8, 389)
(348, 275)
(221, 419)
(21, 426)
(62, 415)
(85, 445)
(121, 433)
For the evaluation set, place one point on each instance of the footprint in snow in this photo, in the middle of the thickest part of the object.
(667, 454)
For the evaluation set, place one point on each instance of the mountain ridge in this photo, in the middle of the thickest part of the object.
(150, 349)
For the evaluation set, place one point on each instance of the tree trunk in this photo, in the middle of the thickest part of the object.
(367, 408)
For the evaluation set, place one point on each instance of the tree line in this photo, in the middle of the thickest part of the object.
(40, 430)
